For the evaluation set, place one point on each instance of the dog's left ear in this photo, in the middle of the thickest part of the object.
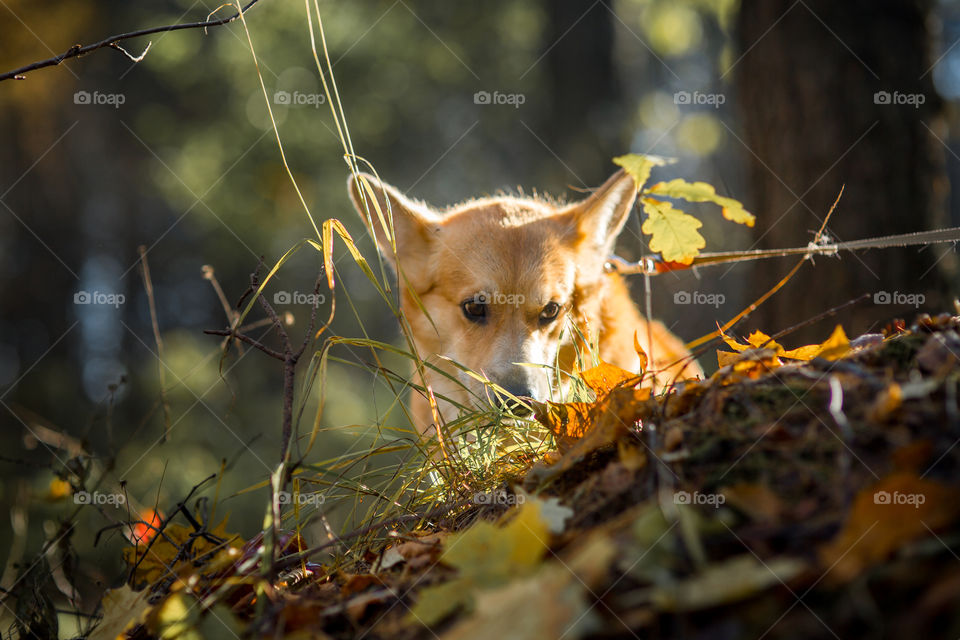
(599, 219)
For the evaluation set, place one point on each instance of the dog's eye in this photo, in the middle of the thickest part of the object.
(550, 312)
(473, 310)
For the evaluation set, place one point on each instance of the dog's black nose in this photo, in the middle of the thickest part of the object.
(520, 391)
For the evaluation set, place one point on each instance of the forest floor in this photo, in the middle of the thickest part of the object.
(812, 493)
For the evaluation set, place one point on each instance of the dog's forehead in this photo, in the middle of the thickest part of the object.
(504, 219)
(505, 226)
(506, 243)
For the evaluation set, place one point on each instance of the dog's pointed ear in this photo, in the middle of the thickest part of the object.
(414, 223)
(598, 220)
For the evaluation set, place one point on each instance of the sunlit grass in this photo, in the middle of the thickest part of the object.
(394, 471)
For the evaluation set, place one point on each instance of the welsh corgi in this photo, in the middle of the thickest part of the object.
(509, 283)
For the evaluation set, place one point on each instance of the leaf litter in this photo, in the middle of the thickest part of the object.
(796, 492)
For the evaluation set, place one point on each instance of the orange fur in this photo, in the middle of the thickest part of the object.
(522, 254)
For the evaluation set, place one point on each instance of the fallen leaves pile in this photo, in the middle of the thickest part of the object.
(808, 492)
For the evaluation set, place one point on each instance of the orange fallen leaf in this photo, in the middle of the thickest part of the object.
(606, 377)
(600, 423)
(883, 518)
(644, 360)
(570, 421)
(834, 347)
(146, 529)
(753, 365)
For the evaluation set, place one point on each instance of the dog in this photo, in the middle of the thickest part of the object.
(512, 287)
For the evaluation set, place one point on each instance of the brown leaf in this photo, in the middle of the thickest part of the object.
(357, 582)
(673, 438)
(632, 457)
(886, 403)
(757, 501)
(884, 517)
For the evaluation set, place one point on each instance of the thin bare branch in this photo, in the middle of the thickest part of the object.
(111, 42)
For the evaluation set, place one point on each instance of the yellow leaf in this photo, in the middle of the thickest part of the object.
(550, 604)
(735, 579)
(760, 340)
(486, 556)
(59, 489)
(121, 608)
(605, 377)
(725, 358)
(644, 360)
(639, 165)
(435, 603)
(702, 192)
(673, 233)
(808, 352)
(836, 346)
(174, 618)
(164, 557)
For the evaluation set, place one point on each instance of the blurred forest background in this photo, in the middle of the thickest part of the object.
(775, 102)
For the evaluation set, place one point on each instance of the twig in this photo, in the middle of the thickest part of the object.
(288, 355)
(232, 314)
(148, 286)
(750, 309)
(295, 558)
(112, 42)
(816, 318)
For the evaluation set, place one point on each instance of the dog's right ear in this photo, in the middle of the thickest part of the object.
(414, 223)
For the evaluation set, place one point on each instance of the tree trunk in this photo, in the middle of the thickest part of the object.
(583, 127)
(813, 121)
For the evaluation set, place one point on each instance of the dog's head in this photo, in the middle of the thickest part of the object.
(499, 277)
